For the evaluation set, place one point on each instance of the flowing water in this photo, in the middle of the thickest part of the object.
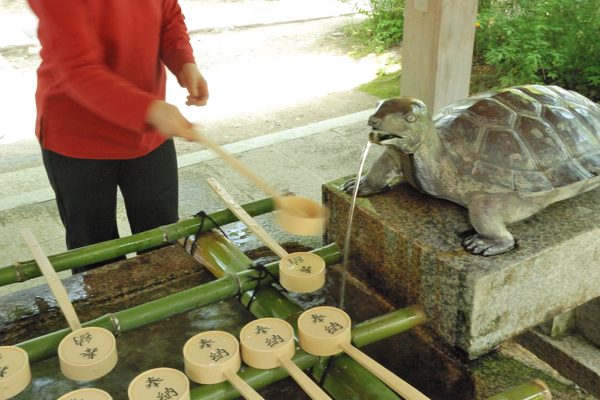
(346, 257)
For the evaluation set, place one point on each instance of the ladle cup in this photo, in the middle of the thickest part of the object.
(87, 394)
(300, 272)
(160, 383)
(86, 353)
(269, 343)
(213, 357)
(297, 215)
(15, 372)
(326, 331)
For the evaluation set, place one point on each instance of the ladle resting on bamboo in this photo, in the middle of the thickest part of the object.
(300, 272)
(100, 355)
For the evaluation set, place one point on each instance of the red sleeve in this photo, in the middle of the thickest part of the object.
(79, 66)
(175, 48)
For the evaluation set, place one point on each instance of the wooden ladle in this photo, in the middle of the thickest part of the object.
(269, 343)
(299, 272)
(297, 215)
(213, 357)
(86, 353)
(326, 331)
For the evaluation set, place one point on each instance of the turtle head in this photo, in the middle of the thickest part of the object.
(400, 122)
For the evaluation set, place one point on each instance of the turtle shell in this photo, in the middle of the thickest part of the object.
(526, 138)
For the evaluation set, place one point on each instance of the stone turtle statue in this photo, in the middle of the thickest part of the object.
(504, 155)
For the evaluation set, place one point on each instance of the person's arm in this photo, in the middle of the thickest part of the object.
(191, 79)
(76, 54)
(177, 54)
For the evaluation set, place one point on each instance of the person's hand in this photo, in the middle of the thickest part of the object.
(191, 79)
(168, 120)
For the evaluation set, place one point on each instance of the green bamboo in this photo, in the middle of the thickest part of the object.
(271, 303)
(346, 378)
(387, 325)
(532, 390)
(257, 378)
(268, 301)
(46, 346)
(22, 271)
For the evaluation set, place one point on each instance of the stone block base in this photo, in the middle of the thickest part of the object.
(407, 246)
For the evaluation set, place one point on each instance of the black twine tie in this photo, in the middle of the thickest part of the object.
(203, 217)
(263, 272)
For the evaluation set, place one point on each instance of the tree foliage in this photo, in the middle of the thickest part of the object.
(554, 42)
(384, 25)
(546, 42)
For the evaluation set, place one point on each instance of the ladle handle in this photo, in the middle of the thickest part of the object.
(398, 385)
(234, 162)
(53, 280)
(241, 386)
(246, 218)
(310, 387)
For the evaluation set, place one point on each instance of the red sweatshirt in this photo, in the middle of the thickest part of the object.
(102, 65)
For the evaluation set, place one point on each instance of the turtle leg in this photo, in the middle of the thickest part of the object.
(384, 172)
(489, 214)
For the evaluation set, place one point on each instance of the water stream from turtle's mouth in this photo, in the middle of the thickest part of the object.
(349, 227)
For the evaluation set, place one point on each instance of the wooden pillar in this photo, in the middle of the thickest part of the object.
(438, 50)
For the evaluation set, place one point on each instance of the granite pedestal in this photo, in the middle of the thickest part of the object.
(407, 246)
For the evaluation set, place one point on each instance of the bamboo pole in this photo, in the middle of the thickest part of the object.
(22, 271)
(387, 325)
(46, 346)
(257, 378)
(532, 390)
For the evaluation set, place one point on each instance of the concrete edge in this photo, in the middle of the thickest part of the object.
(573, 357)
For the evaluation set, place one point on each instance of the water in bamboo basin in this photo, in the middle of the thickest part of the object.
(160, 345)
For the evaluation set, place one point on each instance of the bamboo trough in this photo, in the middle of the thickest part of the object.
(343, 376)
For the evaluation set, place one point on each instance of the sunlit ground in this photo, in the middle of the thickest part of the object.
(236, 87)
(279, 83)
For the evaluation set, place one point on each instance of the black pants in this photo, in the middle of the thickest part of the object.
(86, 194)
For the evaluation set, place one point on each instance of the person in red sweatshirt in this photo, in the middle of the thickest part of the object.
(102, 119)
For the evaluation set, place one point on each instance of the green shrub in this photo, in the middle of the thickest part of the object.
(384, 24)
(541, 41)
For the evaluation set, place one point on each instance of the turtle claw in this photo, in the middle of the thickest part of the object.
(365, 188)
(349, 186)
(478, 245)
